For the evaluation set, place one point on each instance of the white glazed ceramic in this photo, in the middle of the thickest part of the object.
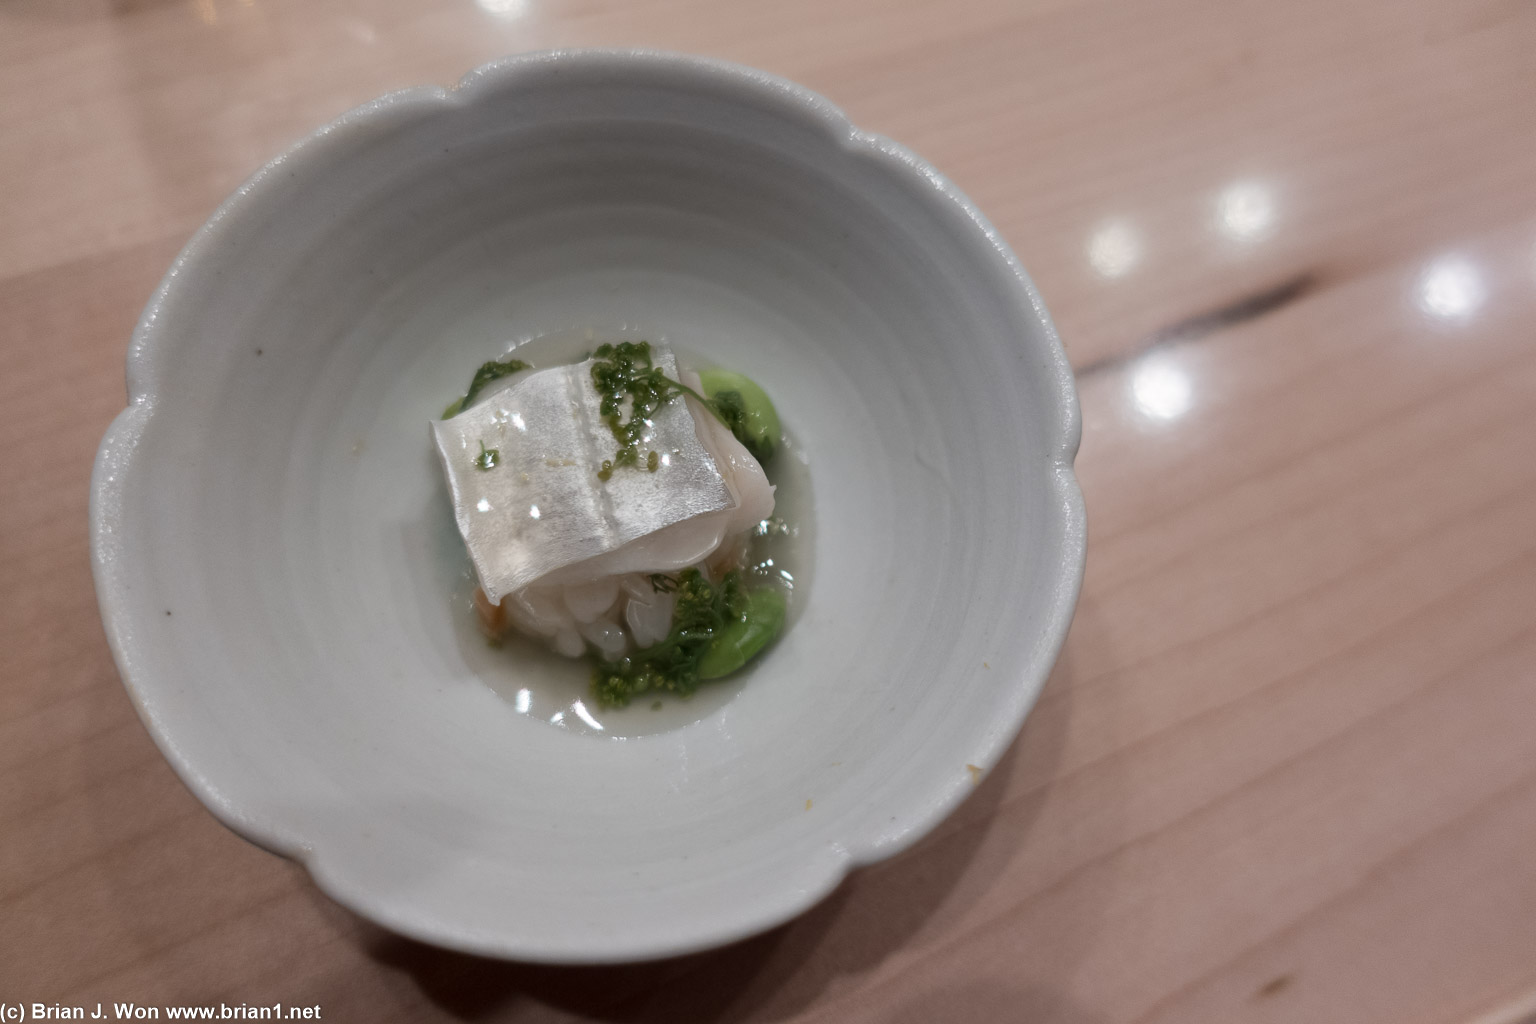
(276, 558)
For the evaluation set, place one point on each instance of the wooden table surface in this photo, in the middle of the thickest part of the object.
(1286, 767)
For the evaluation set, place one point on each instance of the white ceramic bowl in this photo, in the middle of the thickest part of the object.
(276, 559)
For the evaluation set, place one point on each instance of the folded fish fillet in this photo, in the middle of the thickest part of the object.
(542, 516)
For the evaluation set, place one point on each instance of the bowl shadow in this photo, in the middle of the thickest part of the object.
(874, 913)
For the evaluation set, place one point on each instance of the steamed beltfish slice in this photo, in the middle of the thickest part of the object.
(537, 506)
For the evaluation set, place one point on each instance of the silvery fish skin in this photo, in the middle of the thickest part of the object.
(542, 507)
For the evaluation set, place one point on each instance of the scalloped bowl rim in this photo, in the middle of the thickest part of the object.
(114, 461)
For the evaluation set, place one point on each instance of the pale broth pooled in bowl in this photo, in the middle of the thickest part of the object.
(750, 588)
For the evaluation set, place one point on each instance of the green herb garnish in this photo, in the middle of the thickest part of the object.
(488, 458)
(625, 374)
(702, 612)
(488, 372)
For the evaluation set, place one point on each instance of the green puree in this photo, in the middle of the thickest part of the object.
(746, 408)
(716, 629)
(750, 631)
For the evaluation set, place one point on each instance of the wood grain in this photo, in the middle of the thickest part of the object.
(1284, 771)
